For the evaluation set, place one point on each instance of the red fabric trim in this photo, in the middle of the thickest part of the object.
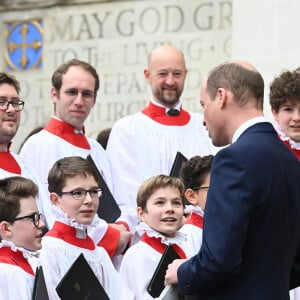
(8, 163)
(124, 223)
(10, 257)
(158, 114)
(295, 151)
(156, 244)
(110, 240)
(66, 132)
(195, 220)
(68, 234)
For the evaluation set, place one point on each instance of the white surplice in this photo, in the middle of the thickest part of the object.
(141, 259)
(61, 249)
(16, 273)
(43, 149)
(193, 228)
(140, 147)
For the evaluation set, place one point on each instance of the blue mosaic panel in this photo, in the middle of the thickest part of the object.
(24, 45)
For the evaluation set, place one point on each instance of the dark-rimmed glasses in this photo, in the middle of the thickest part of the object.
(200, 188)
(80, 194)
(35, 217)
(17, 104)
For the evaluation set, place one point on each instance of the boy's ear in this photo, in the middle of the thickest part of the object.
(275, 114)
(5, 229)
(190, 196)
(140, 213)
(54, 198)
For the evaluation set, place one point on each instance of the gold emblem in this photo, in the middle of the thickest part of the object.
(24, 45)
(77, 286)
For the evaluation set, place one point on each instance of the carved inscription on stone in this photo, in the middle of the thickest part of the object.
(117, 38)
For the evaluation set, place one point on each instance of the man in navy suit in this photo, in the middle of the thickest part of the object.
(251, 231)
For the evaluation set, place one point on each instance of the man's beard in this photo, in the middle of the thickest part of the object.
(169, 99)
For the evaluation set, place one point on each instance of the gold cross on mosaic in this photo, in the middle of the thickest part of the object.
(12, 46)
(24, 44)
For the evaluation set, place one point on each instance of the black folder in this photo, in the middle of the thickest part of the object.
(108, 209)
(175, 169)
(80, 282)
(156, 284)
(39, 286)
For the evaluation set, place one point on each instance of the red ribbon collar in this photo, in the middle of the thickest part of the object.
(15, 258)
(158, 114)
(68, 234)
(295, 151)
(156, 244)
(8, 163)
(67, 133)
(195, 220)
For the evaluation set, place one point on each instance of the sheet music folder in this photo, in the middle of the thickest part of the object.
(80, 282)
(39, 287)
(108, 209)
(175, 169)
(156, 284)
(171, 292)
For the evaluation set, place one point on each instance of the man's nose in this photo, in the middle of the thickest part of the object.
(79, 98)
(170, 79)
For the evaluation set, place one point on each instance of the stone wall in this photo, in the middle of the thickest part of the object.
(266, 33)
(116, 37)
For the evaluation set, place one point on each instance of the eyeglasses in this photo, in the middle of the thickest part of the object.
(35, 217)
(16, 103)
(87, 95)
(200, 188)
(81, 194)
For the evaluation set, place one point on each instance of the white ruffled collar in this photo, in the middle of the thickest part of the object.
(64, 218)
(284, 137)
(193, 209)
(26, 253)
(81, 229)
(178, 238)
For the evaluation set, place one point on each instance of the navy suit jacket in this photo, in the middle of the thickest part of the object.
(251, 223)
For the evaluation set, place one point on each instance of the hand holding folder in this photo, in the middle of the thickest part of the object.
(156, 284)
